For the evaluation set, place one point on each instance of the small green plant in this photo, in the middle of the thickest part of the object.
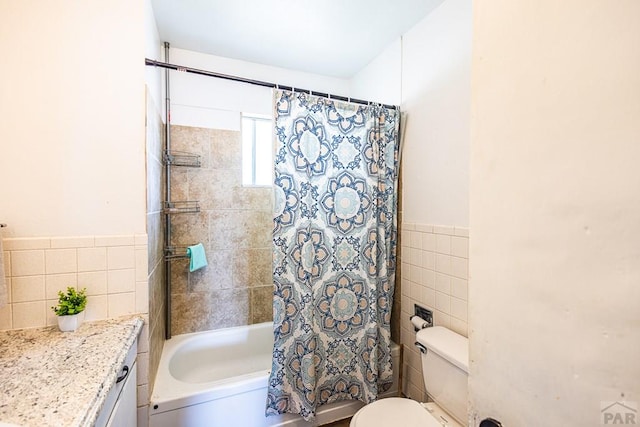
(72, 302)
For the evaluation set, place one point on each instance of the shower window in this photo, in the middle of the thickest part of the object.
(257, 152)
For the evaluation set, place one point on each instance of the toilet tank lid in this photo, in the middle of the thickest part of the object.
(447, 344)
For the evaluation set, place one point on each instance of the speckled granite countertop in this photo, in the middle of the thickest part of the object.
(53, 378)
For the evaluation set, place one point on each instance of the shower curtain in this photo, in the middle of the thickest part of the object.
(334, 248)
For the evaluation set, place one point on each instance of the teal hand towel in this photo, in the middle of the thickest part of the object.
(197, 257)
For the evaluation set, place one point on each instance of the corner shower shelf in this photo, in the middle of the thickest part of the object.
(172, 253)
(181, 158)
(181, 207)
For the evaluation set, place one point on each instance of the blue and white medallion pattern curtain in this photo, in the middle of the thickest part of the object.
(334, 243)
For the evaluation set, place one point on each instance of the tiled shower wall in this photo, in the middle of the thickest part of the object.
(234, 225)
(435, 264)
(155, 264)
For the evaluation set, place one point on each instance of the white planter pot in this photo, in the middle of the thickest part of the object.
(70, 323)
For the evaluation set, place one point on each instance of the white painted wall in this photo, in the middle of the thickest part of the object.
(153, 49)
(381, 80)
(72, 111)
(436, 69)
(555, 208)
(209, 102)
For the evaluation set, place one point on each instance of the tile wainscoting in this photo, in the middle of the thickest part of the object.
(114, 269)
(434, 274)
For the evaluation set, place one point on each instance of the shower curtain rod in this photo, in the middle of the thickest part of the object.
(166, 65)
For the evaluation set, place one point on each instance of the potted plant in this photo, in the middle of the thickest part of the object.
(70, 308)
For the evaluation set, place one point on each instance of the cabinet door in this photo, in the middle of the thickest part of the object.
(124, 412)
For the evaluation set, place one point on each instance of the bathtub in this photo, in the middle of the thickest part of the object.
(219, 379)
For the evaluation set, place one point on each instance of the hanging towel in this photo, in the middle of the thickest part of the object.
(4, 299)
(197, 257)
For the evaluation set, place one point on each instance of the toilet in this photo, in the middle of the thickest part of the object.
(445, 366)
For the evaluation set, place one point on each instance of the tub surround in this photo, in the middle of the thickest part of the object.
(55, 378)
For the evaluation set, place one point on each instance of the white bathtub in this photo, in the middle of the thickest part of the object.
(219, 379)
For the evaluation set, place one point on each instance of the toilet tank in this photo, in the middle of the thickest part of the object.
(445, 367)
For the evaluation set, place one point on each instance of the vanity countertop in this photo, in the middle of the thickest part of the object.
(53, 378)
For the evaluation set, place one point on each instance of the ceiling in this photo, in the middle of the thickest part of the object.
(329, 37)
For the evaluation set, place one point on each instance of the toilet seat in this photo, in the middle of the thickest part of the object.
(394, 411)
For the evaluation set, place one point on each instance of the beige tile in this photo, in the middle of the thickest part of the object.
(405, 270)
(27, 263)
(9, 286)
(140, 239)
(460, 246)
(94, 281)
(443, 283)
(429, 278)
(238, 313)
(143, 416)
(441, 319)
(97, 308)
(7, 263)
(429, 297)
(443, 244)
(217, 275)
(59, 282)
(416, 291)
(251, 267)
(429, 260)
(405, 288)
(61, 261)
(116, 240)
(27, 288)
(51, 317)
(262, 304)
(189, 229)
(461, 231)
(143, 369)
(443, 229)
(26, 243)
(415, 239)
(120, 257)
(415, 256)
(29, 314)
(429, 242)
(425, 228)
(408, 225)
(142, 297)
(143, 339)
(192, 140)
(6, 321)
(443, 264)
(459, 326)
(416, 274)
(443, 302)
(459, 288)
(254, 198)
(225, 149)
(459, 309)
(205, 185)
(72, 242)
(119, 281)
(143, 393)
(459, 267)
(121, 304)
(92, 259)
(142, 264)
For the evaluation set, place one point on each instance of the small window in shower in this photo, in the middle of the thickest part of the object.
(257, 150)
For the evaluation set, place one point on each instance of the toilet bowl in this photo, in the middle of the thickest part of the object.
(445, 365)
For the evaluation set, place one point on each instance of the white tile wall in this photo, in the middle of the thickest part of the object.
(434, 272)
(37, 268)
(112, 268)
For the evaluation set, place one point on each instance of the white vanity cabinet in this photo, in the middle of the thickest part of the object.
(119, 409)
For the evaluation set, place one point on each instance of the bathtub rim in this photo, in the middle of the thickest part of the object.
(170, 393)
